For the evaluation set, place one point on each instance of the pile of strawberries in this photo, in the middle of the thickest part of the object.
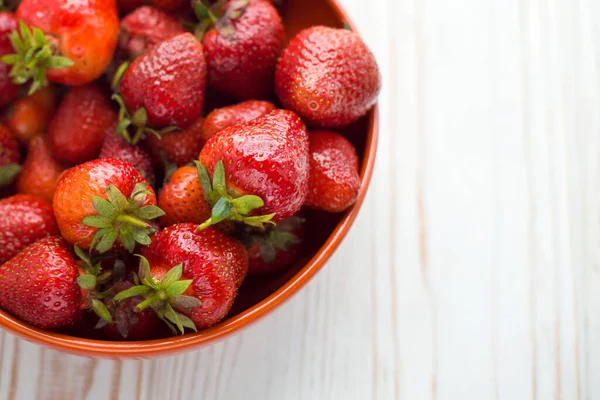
(155, 152)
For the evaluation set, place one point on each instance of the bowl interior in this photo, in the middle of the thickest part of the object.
(258, 294)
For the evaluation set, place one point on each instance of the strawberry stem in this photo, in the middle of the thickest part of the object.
(132, 221)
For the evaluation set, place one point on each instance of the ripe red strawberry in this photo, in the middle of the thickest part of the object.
(236, 114)
(77, 130)
(182, 198)
(265, 164)
(273, 250)
(9, 157)
(29, 116)
(179, 148)
(334, 181)
(40, 171)
(242, 49)
(25, 219)
(164, 86)
(144, 28)
(115, 146)
(190, 277)
(72, 43)
(103, 203)
(328, 76)
(8, 90)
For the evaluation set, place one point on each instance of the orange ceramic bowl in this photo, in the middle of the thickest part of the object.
(259, 295)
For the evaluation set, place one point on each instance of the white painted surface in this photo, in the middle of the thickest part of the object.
(473, 269)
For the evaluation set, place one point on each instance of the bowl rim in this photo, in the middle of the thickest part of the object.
(168, 346)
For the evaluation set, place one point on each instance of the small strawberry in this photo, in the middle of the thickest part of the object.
(242, 48)
(8, 90)
(115, 146)
(190, 277)
(144, 28)
(71, 43)
(236, 114)
(182, 198)
(77, 130)
(164, 87)
(40, 170)
(178, 148)
(273, 250)
(25, 219)
(9, 157)
(103, 203)
(260, 167)
(328, 76)
(334, 182)
(29, 116)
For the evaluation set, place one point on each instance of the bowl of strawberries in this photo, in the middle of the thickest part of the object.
(170, 171)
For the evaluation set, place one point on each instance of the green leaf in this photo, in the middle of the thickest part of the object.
(172, 276)
(221, 210)
(141, 237)
(116, 198)
(10, 59)
(283, 240)
(8, 173)
(145, 275)
(87, 281)
(140, 117)
(126, 235)
(38, 37)
(24, 31)
(119, 75)
(101, 310)
(97, 221)
(140, 290)
(104, 208)
(245, 204)
(178, 288)
(172, 316)
(56, 62)
(148, 212)
(183, 302)
(140, 189)
(187, 322)
(97, 238)
(107, 241)
(205, 182)
(200, 10)
(81, 254)
(219, 183)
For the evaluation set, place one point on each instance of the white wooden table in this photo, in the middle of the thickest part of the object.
(473, 269)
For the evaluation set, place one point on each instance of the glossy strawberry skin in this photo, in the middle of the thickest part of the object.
(216, 263)
(243, 65)
(169, 81)
(236, 114)
(9, 148)
(114, 146)
(87, 33)
(25, 219)
(39, 285)
(40, 170)
(144, 28)
(328, 76)
(8, 90)
(267, 157)
(76, 131)
(334, 180)
(182, 198)
(73, 197)
(29, 116)
(179, 148)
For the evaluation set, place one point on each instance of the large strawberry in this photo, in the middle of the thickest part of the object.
(144, 28)
(242, 47)
(190, 277)
(236, 114)
(8, 90)
(40, 170)
(328, 76)
(164, 87)
(9, 157)
(25, 219)
(103, 203)
(72, 43)
(178, 148)
(77, 130)
(260, 167)
(334, 181)
(29, 116)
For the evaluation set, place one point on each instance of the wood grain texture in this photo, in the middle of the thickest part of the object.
(473, 270)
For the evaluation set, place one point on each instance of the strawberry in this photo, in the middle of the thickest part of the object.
(103, 203)
(273, 250)
(40, 170)
(242, 48)
(77, 129)
(334, 181)
(236, 114)
(182, 198)
(190, 277)
(328, 76)
(146, 27)
(71, 43)
(260, 167)
(8, 90)
(114, 146)
(29, 116)
(9, 157)
(25, 219)
(179, 148)
(163, 87)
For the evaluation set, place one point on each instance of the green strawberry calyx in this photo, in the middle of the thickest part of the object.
(8, 173)
(165, 296)
(218, 17)
(89, 280)
(122, 218)
(280, 238)
(226, 206)
(35, 53)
